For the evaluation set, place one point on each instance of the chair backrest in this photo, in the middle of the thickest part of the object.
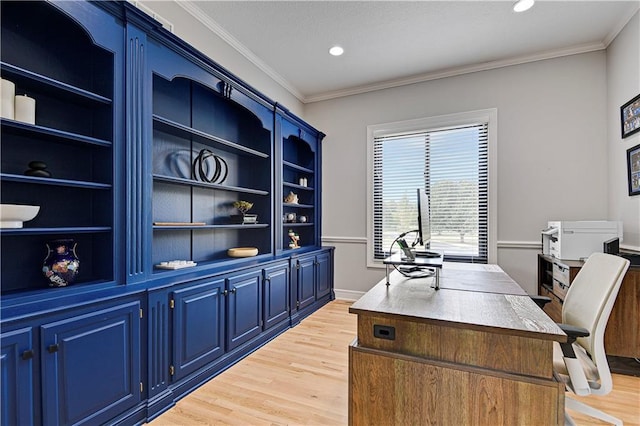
(590, 299)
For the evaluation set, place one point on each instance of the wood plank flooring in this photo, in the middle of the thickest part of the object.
(301, 378)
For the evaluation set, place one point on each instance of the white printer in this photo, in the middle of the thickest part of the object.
(576, 240)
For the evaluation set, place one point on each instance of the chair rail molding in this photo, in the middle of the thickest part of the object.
(528, 245)
(502, 244)
(344, 240)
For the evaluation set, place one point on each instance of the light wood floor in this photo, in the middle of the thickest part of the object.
(301, 377)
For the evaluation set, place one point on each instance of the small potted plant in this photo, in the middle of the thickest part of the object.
(243, 207)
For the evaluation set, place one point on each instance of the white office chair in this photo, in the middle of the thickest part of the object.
(581, 363)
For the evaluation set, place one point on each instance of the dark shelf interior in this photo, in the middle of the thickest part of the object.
(52, 59)
(188, 118)
(39, 38)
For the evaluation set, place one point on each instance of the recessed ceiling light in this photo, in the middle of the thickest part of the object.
(336, 51)
(522, 5)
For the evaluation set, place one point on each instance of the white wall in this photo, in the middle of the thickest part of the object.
(552, 150)
(623, 84)
(202, 38)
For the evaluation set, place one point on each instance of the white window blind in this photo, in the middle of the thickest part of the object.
(450, 165)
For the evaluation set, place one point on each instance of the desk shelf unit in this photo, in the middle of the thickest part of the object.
(622, 335)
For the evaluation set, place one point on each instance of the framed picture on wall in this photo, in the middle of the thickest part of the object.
(630, 117)
(633, 169)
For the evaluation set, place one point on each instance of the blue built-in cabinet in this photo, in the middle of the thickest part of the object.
(123, 111)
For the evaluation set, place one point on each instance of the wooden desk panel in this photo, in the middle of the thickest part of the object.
(390, 389)
(513, 354)
(622, 336)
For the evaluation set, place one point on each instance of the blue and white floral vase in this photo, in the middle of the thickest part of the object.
(61, 266)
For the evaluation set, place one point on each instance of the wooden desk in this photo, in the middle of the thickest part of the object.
(622, 335)
(478, 351)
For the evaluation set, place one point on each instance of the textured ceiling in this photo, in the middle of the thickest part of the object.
(388, 43)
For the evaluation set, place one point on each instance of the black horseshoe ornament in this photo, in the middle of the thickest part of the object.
(201, 171)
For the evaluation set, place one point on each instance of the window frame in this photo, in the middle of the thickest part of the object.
(489, 116)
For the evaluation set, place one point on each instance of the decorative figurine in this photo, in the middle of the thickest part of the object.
(38, 168)
(295, 240)
(202, 167)
(291, 198)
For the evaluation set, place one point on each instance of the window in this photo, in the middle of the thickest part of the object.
(447, 157)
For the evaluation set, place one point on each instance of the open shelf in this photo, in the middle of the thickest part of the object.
(189, 117)
(177, 129)
(50, 134)
(24, 252)
(296, 186)
(190, 182)
(298, 206)
(300, 163)
(34, 80)
(62, 230)
(297, 167)
(53, 181)
(209, 227)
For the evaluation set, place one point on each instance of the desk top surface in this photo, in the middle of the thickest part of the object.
(468, 298)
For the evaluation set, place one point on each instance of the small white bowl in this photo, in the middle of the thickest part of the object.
(13, 215)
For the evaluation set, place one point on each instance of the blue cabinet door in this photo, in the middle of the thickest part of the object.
(276, 294)
(198, 330)
(245, 307)
(16, 363)
(306, 281)
(323, 264)
(91, 365)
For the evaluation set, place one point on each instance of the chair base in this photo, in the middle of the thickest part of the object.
(589, 411)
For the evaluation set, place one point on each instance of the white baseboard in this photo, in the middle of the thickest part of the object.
(348, 295)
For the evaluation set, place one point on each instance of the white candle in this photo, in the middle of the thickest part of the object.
(25, 109)
(8, 92)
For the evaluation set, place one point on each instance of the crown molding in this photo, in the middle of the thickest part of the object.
(633, 9)
(190, 7)
(452, 72)
(214, 27)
